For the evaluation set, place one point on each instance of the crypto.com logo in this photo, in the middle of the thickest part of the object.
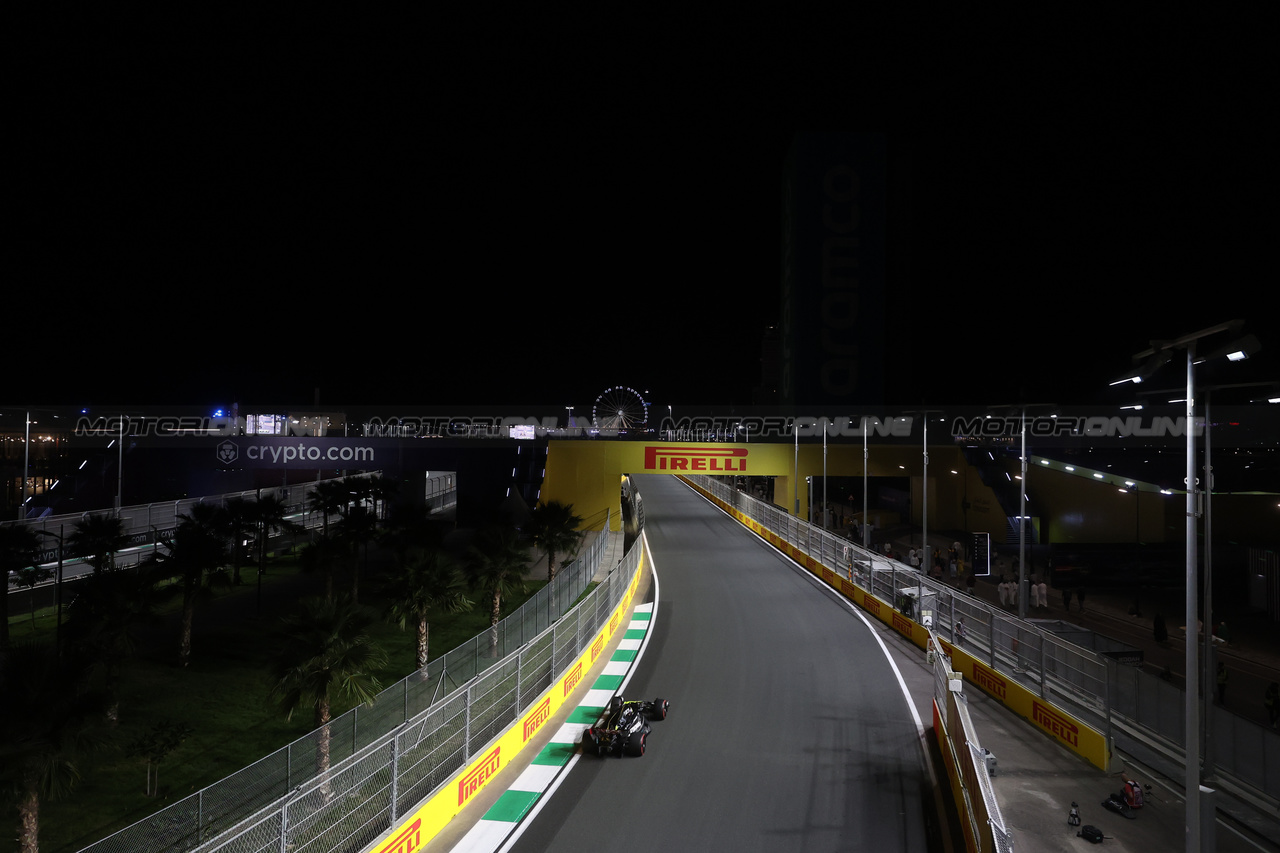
(296, 452)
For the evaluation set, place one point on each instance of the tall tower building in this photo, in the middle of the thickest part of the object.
(832, 335)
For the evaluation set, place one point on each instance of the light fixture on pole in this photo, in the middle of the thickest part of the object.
(866, 522)
(1160, 353)
(795, 467)
(924, 420)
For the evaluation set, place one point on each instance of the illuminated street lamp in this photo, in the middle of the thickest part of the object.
(1148, 362)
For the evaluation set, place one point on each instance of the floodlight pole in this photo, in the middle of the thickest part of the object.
(824, 473)
(866, 523)
(1199, 835)
(1022, 525)
(1209, 650)
(26, 470)
(795, 468)
(120, 468)
(1192, 710)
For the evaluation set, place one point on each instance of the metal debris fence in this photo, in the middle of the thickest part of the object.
(416, 734)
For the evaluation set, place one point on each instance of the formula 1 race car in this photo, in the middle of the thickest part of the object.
(625, 728)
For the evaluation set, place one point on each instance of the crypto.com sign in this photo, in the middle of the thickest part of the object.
(248, 452)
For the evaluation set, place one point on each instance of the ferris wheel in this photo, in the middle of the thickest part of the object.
(620, 408)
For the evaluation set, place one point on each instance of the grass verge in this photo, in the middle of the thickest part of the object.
(224, 696)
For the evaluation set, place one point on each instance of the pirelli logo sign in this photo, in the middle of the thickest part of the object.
(1055, 723)
(478, 775)
(408, 840)
(989, 681)
(536, 718)
(695, 459)
(571, 680)
(596, 648)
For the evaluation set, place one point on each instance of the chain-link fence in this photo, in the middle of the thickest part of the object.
(421, 727)
(365, 795)
(1109, 696)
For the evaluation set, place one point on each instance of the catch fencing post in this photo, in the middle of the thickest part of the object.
(466, 726)
(395, 776)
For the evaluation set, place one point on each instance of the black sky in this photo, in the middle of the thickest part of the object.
(430, 212)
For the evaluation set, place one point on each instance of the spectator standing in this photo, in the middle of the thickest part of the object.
(959, 631)
(1080, 598)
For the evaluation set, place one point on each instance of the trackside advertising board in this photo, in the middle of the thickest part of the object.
(1081, 739)
(434, 813)
(1087, 742)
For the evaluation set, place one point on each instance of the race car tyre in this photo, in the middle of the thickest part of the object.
(590, 743)
(635, 744)
(615, 704)
(660, 707)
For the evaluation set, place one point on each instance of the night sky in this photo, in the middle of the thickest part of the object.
(428, 212)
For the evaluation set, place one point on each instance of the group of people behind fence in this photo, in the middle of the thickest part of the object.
(940, 565)
(1037, 593)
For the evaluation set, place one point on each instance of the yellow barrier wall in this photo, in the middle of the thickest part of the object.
(1087, 742)
(436, 812)
(1081, 739)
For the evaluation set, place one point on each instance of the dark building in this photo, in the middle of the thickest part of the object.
(834, 270)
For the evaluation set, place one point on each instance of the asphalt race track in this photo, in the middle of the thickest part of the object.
(788, 730)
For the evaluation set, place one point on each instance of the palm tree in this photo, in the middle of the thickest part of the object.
(325, 655)
(98, 537)
(421, 580)
(382, 489)
(19, 548)
(239, 520)
(29, 577)
(324, 555)
(46, 724)
(269, 511)
(358, 528)
(195, 554)
(104, 620)
(496, 568)
(554, 528)
(329, 497)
